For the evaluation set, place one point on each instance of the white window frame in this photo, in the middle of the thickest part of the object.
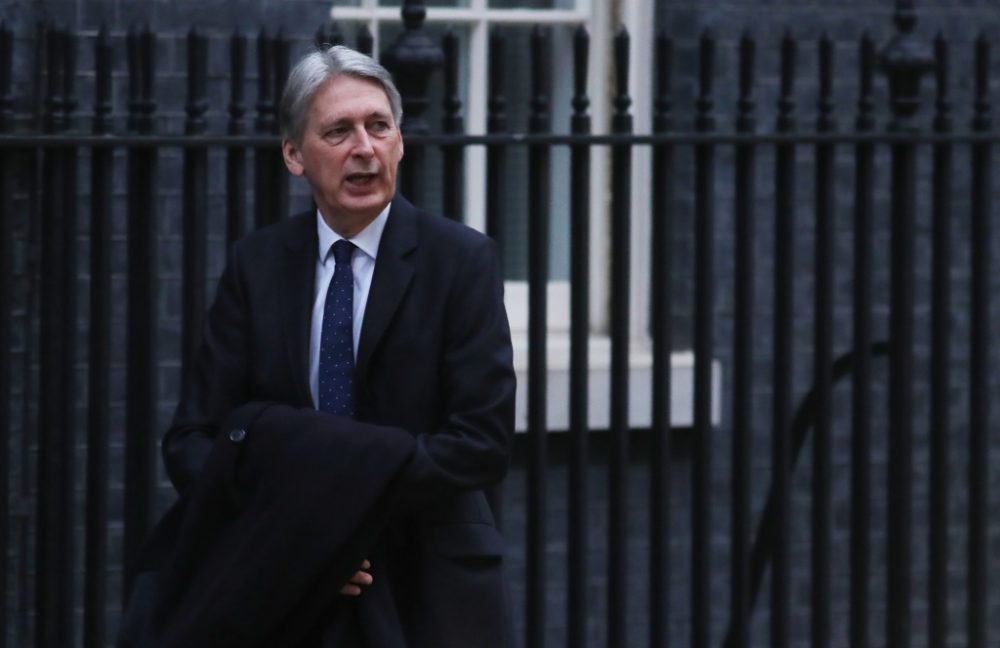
(596, 15)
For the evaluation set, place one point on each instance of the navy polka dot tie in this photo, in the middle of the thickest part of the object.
(336, 347)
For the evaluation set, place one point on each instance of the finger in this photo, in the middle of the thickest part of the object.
(361, 578)
(350, 590)
(366, 565)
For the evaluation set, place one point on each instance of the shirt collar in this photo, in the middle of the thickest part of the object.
(367, 239)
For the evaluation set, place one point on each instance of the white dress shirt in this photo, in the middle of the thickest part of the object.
(363, 267)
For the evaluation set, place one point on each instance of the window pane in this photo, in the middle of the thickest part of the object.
(532, 4)
(518, 95)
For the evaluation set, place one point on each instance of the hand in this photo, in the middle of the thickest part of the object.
(360, 579)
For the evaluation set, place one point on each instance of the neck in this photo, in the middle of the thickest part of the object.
(350, 225)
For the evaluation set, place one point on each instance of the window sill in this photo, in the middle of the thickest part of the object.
(599, 389)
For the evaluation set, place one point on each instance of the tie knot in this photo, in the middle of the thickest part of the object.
(343, 250)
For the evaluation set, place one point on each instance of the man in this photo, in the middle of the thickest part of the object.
(376, 313)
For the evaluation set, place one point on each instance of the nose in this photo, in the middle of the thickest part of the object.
(362, 144)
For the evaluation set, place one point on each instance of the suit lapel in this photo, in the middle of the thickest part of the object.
(393, 272)
(297, 285)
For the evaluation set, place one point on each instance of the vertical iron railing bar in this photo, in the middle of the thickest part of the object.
(57, 326)
(742, 407)
(979, 354)
(621, 191)
(195, 213)
(264, 180)
(496, 189)
(538, 275)
(937, 583)
(99, 357)
(6, 316)
(904, 62)
(276, 161)
(576, 550)
(864, 177)
(26, 616)
(900, 394)
(784, 272)
(662, 322)
(141, 387)
(236, 156)
(453, 155)
(704, 216)
(496, 123)
(823, 353)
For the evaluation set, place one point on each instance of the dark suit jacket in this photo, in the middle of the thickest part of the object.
(434, 359)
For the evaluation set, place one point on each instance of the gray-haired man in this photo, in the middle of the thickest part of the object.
(428, 352)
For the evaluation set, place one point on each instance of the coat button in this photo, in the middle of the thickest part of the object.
(236, 436)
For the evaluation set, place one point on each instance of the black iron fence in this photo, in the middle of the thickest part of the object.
(61, 192)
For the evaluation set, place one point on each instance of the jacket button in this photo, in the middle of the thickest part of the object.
(236, 436)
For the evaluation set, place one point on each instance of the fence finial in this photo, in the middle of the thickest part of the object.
(452, 100)
(54, 110)
(745, 121)
(266, 102)
(704, 120)
(942, 113)
(237, 77)
(866, 68)
(102, 81)
(825, 121)
(905, 59)
(197, 103)
(6, 70)
(541, 80)
(981, 107)
(412, 59)
(581, 53)
(662, 117)
(621, 120)
(496, 111)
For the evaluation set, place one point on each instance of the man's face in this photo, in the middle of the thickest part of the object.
(349, 152)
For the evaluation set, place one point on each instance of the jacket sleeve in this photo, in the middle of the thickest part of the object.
(471, 450)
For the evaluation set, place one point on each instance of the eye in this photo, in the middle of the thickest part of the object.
(380, 126)
(336, 132)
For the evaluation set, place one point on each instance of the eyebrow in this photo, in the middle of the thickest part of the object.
(375, 114)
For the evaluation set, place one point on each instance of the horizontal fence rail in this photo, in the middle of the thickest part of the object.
(836, 267)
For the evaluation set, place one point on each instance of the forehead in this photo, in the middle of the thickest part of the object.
(349, 97)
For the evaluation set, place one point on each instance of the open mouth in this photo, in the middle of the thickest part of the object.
(361, 179)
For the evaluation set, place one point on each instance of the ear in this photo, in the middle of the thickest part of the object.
(293, 158)
(400, 136)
